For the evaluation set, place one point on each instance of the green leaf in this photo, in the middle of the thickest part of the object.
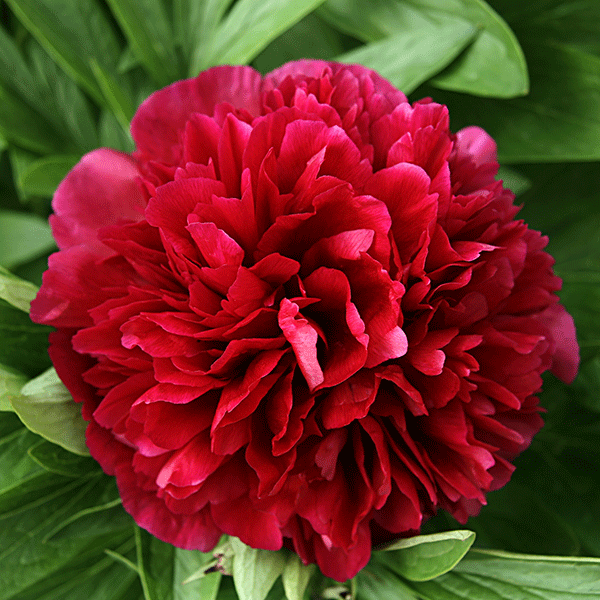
(112, 134)
(309, 38)
(46, 407)
(487, 575)
(518, 519)
(102, 579)
(195, 23)
(492, 66)
(11, 382)
(558, 121)
(410, 58)
(23, 126)
(513, 180)
(250, 26)
(150, 36)
(255, 571)
(41, 177)
(16, 465)
(569, 21)
(72, 33)
(118, 100)
(15, 73)
(377, 582)
(188, 562)
(57, 460)
(155, 566)
(65, 105)
(31, 568)
(24, 343)
(24, 236)
(295, 577)
(424, 557)
(16, 291)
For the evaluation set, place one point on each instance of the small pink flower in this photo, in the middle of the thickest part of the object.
(302, 313)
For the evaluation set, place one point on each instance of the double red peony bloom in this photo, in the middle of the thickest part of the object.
(302, 313)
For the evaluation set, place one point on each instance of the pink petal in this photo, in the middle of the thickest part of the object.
(565, 361)
(100, 190)
(161, 118)
(303, 337)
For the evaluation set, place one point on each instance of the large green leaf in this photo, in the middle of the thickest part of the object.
(250, 26)
(24, 236)
(185, 586)
(15, 73)
(518, 519)
(378, 582)
(424, 557)
(46, 407)
(494, 575)
(410, 58)
(149, 33)
(492, 66)
(38, 93)
(295, 577)
(16, 465)
(64, 103)
(33, 502)
(165, 571)
(16, 291)
(42, 176)
(102, 579)
(24, 344)
(571, 21)
(195, 24)
(558, 121)
(11, 382)
(22, 125)
(57, 460)
(112, 134)
(118, 99)
(155, 566)
(255, 571)
(72, 33)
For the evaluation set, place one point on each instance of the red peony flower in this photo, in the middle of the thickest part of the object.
(302, 313)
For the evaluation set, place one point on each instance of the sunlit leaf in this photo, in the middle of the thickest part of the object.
(24, 236)
(424, 557)
(72, 33)
(23, 126)
(41, 177)
(558, 121)
(494, 575)
(149, 33)
(255, 571)
(46, 407)
(295, 577)
(250, 26)
(492, 66)
(16, 291)
(410, 58)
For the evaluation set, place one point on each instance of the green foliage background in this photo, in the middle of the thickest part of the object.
(72, 73)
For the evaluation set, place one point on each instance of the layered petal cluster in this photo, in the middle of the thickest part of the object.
(302, 313)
